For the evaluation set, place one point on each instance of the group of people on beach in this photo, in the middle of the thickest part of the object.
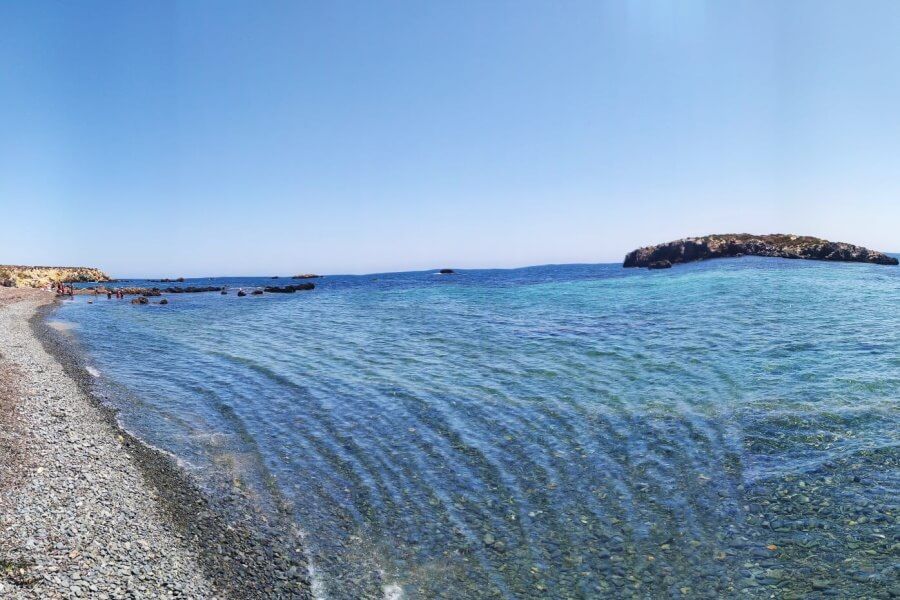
(64, 290)
(68, 290)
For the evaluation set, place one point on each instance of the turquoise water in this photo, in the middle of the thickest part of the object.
(726, 428)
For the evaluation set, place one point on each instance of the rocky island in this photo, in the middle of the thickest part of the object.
(37, 277)
(663, 256)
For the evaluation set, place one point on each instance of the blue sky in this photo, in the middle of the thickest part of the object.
(198, 138)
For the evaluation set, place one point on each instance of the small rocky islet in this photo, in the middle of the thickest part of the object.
(733, 245)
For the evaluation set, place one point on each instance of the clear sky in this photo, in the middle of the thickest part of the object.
(236, 138)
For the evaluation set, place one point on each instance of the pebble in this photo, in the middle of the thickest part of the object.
(72, 534)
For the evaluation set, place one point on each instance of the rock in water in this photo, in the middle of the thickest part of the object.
(193, 289)
(241, 293)
(140, 300)
(290, 289)
(153, 291)
(163, 301)
(740, 244)
(447, 271)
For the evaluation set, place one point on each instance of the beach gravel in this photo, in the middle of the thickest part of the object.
(77, 518)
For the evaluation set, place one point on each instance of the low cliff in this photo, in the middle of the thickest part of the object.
(744, 244)
(34, 277)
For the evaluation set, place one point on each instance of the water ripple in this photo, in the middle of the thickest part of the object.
(564, 432)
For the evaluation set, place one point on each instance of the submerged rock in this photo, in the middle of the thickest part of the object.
(257, 292)
(140, 300)
(734, 245)
(163, 301)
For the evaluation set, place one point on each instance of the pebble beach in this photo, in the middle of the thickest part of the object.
(88, 512)
(77, 518)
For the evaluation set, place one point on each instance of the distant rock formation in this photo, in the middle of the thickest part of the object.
(152, 291)
(306, 276)
(37, 277)
(193, 289)
(290, 289)
(446, 271)
(732, 245)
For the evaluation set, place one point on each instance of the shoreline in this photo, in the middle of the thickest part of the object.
(201, 547)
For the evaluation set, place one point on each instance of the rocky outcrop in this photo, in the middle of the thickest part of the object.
(37, 277)
(290, 289)
(193, 289)
(446, 271)
(745, 244)
(152, 291)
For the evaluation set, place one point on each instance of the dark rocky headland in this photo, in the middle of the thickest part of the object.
(777, 245)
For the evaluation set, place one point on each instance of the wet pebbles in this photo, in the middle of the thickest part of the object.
(86, 511)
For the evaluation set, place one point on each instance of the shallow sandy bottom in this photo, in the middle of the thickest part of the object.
(62, 326)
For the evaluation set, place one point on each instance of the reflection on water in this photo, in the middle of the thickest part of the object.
(723, 428)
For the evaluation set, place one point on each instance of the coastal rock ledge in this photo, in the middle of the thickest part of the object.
(744, 244)
(37, 277)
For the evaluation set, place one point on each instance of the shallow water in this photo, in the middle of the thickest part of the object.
(721, 428)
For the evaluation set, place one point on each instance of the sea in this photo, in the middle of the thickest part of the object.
(726, 428)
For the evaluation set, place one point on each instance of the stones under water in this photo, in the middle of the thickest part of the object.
(729, 429)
